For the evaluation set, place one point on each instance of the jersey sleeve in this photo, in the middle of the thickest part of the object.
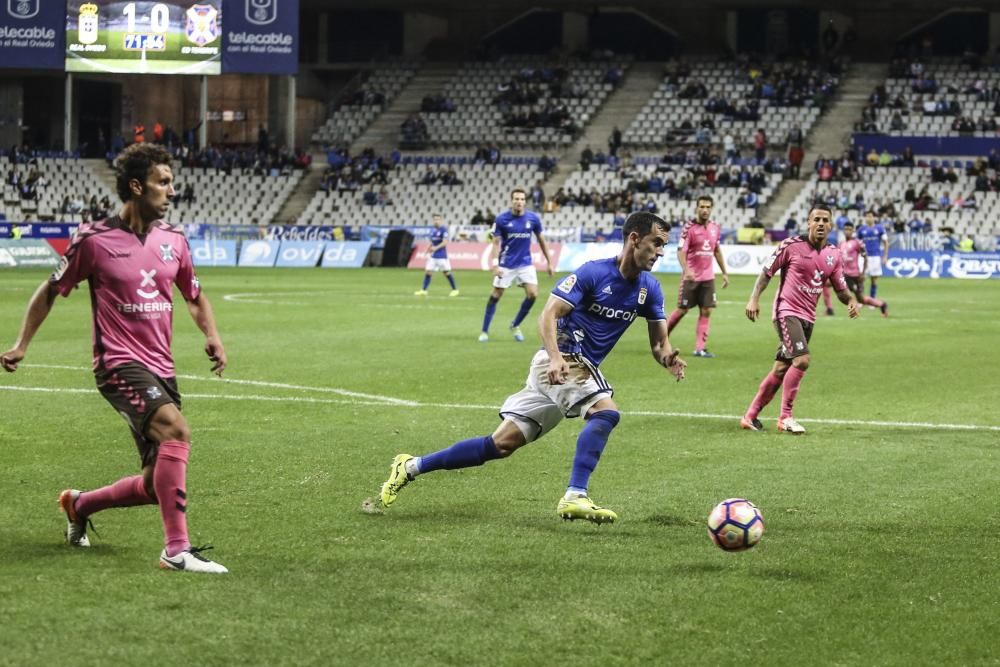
(652, 309)
(76, 265)
(683, 241)
(497, 231)
(573, 288)
(778, 260)
(837, 275)
(187, 280)
(536, 224)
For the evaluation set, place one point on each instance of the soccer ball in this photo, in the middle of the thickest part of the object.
(735, 525)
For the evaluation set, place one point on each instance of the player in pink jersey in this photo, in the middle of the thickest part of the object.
(131, 263)
(851, 248)
(698, 247)
(806, 263)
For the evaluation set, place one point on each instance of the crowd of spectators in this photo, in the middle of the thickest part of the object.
(413, 134)
(350, 173)
(243, 159)
(30, 185)
(437, 104)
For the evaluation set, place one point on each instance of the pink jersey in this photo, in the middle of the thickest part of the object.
(850, 252)
(131, 289)
(698, 242)
(804, 271)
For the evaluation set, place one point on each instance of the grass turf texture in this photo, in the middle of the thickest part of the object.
(880, 545)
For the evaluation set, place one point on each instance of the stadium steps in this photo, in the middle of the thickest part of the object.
(383, 134)
(830, 136)
(303, 193)
(641, 80)
(104, 174)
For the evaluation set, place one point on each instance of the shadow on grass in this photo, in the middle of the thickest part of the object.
(671, 520)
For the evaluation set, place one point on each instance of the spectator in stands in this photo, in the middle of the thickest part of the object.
(613, 75)
(897, 124)
(537, 196)
(729, 146)
(188, 193)
(451, 178)
(586, 158)
(429, 178)
(546, 165)
(872, 158)
(967, 244)
(885, 158)
(969, 202)
(747, 199)
(791, 225)
(383, 198)
(139, 133)
(760, 144)
(158, 132)
(614, 140)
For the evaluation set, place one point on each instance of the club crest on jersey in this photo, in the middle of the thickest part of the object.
(642, 295)
(166, 252)
(817, 279)
(23, 9)
(202, 24)
(261, 12)
(567, 285)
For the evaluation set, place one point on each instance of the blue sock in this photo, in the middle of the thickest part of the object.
(872, 290)
(589, 446)
(463, 454)
(491, 308)
(451, 279)
(523, 313)
(427, 280)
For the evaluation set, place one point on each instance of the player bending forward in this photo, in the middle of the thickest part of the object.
(586, 313)
(131, 262)
(806, 263)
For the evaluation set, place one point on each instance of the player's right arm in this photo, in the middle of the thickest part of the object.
(682, 255)
(774, 264)
(494, 255)
(555, 308)
(38, 309)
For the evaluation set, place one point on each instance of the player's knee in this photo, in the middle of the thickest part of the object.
(705, 312)
(494, 298)
(605, 420)
(802, 362)
(508, 441)
(147, 480)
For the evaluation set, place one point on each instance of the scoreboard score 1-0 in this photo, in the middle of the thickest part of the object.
(144, 37)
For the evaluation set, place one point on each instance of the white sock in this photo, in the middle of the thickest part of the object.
(412, 467)
(573, 492)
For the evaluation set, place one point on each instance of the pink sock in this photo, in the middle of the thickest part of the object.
(768, 388)
(702, 330)
(868, 301)
(672, 321)
(126, 492)
(793, 377)
(171, 492)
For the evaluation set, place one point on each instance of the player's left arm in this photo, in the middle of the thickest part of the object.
(204, 317)
(845, 296)
(555, 308)
(665, 354)
(864, 257)
(722, 265)
(544, 248)
(885, 248)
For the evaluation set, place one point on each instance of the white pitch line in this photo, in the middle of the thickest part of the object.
(466, 406)
(258, 383)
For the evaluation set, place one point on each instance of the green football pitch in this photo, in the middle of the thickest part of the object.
(117, 59)
(881, 545)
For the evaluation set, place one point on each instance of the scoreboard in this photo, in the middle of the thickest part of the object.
(144, 37)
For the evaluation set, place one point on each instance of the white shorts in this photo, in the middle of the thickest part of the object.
(540, 406)
(874, 266)
(437, 264)
(523, 275)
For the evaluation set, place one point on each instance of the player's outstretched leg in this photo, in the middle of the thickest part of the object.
(589, 447)
(423, 290)
(462, 454)
(702, 338)
(79, 506)
(674, 318)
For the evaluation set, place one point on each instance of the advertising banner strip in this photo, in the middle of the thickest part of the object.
(259, 253)
(213, 253)
(27, 254)
(345, 254)
(923, 264)
(300, 254)
(260, 37)
(464, 255)
(32, 34)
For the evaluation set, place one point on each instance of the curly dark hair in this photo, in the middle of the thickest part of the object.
(134, 163)
(641, 222)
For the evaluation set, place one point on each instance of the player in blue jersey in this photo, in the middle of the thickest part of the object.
(587, 312)
(437, 256)
(512, 232)
(876, 244)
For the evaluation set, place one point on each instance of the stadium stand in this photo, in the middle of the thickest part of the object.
(353, 116)
(936, 97)
(402, 200)
(233, 199)
(704, 100)
(521, 102)
(901, 195)
(63, 189)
